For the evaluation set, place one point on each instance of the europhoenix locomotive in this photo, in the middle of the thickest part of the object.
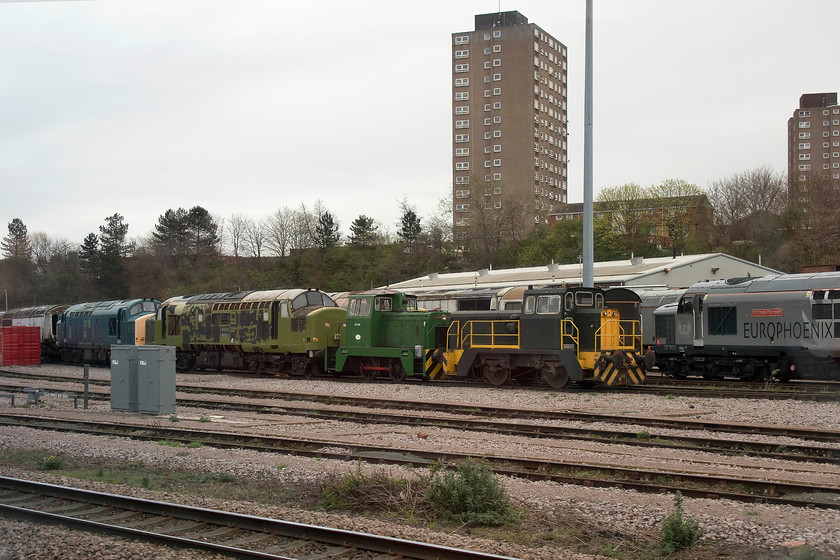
(773, 327)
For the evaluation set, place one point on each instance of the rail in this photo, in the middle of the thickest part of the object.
(482, 334)
(617, 334)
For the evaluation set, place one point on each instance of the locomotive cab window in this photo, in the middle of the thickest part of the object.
(359, 307)
(382, 304)
(411, 304)
(585, 299)
(530, 303)
(548, 305)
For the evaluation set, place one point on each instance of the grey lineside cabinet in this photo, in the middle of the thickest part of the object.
(143, 378)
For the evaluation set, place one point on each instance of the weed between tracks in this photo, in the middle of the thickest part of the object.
(469, 500)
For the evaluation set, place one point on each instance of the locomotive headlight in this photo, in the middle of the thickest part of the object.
(314, 339)
(327, 325)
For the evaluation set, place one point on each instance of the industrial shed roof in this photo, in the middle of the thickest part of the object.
(671, 272)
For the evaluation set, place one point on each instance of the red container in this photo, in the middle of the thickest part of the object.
(20, 346)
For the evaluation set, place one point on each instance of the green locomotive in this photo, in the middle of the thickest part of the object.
(387, 335)
(264, 331)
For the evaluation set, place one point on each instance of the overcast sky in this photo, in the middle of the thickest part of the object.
(247, 106)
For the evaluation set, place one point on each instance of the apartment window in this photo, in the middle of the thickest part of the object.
(462, 166)
(804, 113)
(462, 207)
(804, 167)
(835, 122)
(461, 82)
(462, 138)
(487, 163)
(462, 221)
(497, 62)
(487, 121)
(825, 134)
(497, 205)
(825, 144)
(462, 193)
(497, 105)
(825, 123)
(487, 65)
(487, 107)
(486, 79)
(461, 152)
(804, 145)
(459, 68)
(497, 162)
(497, 120)
(498, 190)
(834, 133)
(497, 48)
(486, 93)
(835, 154)
(804, 156)
(497, 148)
(497, 134)
(825, 111)
(462, 124)
(486, 50)
(826, 166)
(462, 96)
(825, 155)
(462, 39)
(487, 136)
(486, 36)
(497, 77)
(497, 177)
(462, 54)
(497, 91)
(804, 135)
(462, 110)
(804, 124)
(497, 34)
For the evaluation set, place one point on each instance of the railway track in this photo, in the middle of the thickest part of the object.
(492, 413)
(234, 534)
(750, 487)
(654, 385)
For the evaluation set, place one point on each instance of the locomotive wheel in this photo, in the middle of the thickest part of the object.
(367, 369)
(555, 376)
(396, 371)
(495, 373)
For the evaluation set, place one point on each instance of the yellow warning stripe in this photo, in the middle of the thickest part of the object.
(629, 376)
(432, 368)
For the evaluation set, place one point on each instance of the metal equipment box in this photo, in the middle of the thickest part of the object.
(124, 383)
(156, 379)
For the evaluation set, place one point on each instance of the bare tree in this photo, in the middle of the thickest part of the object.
(236, 233)
(255, 237)
(278, 228)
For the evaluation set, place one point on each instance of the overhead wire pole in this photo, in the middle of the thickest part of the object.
(588, 209)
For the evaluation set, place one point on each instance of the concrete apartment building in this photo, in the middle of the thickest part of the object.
(814, 140)
(509, 120)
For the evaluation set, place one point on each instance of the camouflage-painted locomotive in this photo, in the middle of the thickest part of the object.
(562, 334)
(272, 330)
(387, 335)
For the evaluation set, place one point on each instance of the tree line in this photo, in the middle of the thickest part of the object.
(748, 215)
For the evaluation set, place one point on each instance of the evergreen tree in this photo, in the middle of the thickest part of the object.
(16, 244)
(171, 235)
(364, 231)
(326, 231)
(89, 255)
(409, 226)
(113, 250)
(204, 232)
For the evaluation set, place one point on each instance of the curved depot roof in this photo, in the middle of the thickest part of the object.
(673, 272)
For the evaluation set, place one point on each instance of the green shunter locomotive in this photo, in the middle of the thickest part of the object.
(386, 335)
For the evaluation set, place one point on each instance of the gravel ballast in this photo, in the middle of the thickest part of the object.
(766, 527)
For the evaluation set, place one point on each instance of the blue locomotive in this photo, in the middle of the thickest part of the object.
(86, 331)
